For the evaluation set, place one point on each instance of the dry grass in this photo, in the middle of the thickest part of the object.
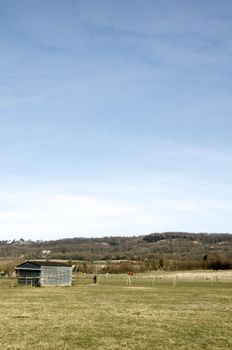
(112, 315)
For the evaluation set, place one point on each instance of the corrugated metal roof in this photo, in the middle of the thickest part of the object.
(44, 263)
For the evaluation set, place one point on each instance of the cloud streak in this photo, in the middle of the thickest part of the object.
(54, 213)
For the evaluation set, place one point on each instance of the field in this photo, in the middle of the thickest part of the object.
(148, 311)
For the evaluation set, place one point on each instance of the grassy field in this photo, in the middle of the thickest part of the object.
(160, 311)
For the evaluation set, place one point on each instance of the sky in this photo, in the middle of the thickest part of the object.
(115, 117)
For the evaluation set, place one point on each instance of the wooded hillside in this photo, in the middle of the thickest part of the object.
(158, 250)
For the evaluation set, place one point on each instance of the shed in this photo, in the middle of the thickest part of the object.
(44, 273)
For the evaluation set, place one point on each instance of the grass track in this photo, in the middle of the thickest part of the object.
(113, 315)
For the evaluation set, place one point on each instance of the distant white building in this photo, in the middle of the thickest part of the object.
(44, 252)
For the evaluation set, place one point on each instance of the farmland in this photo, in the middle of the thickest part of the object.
(189, 310)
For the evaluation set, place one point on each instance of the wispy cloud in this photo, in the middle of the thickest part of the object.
(54, 213)
(37, 213)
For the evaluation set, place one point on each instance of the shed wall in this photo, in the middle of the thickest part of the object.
(56, 276)
(28, 277)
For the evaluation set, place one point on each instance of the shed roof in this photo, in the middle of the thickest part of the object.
(44, 263)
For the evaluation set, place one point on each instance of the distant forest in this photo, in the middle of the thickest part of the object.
(168, 250)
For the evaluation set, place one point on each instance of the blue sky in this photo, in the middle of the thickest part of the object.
(115, 117)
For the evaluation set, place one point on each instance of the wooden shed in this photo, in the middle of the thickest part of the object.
(44, 273)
